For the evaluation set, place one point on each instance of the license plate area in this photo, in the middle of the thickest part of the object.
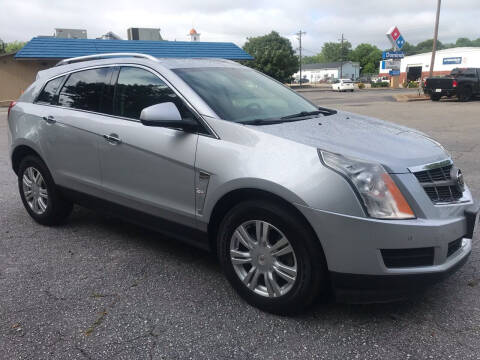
(438, 90)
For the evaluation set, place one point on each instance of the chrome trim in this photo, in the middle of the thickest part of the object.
(439, 164)
(104, 56)
(431, 166)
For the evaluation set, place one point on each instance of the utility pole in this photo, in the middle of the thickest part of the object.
(435, 36)
(299, 37)
(341, 56)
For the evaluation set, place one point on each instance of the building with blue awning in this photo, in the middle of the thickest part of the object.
(18, 70)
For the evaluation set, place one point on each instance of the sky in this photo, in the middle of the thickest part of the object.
(223, 20)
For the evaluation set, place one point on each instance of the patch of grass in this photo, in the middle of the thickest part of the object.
(98, 295)
(97, 322)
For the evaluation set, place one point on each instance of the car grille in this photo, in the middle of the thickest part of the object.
(404, 258)
(438, 184)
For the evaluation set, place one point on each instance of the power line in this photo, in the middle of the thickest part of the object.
(299, 37)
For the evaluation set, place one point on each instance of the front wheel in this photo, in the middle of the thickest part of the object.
(271, 257)
(39, 194)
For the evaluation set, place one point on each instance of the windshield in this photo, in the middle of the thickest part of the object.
(242, 94)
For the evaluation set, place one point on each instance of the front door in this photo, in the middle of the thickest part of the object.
(147, 168)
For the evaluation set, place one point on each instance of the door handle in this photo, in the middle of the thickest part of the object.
(49, 119)
(112, 139)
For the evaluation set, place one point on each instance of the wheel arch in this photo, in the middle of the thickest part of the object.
(19, 153)
(234, 197)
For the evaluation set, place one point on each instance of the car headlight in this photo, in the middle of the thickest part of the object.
(376, 189)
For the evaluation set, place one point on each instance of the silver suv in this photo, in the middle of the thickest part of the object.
(296, 200)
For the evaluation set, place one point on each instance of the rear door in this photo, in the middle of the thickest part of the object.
(74, 123)
(147, 168)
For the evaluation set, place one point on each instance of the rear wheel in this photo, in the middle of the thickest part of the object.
(464, 93)
(39, 194)
(435, 97)
(270, 257)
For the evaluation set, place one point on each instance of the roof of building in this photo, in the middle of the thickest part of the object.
(193, 32)
(330, 65)
(57, 48)
(448, 51)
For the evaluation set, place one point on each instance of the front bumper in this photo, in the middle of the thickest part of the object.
(353, 250)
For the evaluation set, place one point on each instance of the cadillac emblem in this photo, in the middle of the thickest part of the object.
(457, 178)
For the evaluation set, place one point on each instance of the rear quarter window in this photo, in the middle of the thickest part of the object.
(50, 90)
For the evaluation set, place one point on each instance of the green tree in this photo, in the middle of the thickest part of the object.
(368, 56)
(273, 55)
(315, 59)
(476, 42)
(409, 49)
(14, 46)
(426, 46)
(332, 51)
(463, 41)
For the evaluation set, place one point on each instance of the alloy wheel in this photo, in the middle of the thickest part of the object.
(35, 190)
(263, 258)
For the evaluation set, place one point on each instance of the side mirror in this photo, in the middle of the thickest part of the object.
(166, 115)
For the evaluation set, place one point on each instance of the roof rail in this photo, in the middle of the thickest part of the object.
(104, 56)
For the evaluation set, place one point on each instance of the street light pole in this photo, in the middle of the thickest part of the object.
(435, 36)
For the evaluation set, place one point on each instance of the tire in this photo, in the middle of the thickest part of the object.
(41, 198)
(435, 97)
(464, 94)
(288, 297)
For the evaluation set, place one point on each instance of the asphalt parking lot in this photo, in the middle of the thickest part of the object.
(99, 288)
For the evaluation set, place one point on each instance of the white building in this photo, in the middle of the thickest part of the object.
(418, 66)
(328, 71)
(194, 36)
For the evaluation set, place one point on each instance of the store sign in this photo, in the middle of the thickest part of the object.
(391, 64)
(452, 60)
(396, 38)
(393, 55)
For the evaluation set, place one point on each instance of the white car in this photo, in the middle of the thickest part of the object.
(343, 85)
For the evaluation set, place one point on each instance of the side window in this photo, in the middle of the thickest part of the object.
(470, 73)
(50, 90)
(84, 89)
(137, 89)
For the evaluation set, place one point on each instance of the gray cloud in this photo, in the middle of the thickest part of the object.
(219, 20)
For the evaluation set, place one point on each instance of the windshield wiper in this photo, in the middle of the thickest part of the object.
(262, 121)
(323, 111)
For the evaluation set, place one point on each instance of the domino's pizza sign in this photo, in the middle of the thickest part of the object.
(396, 38)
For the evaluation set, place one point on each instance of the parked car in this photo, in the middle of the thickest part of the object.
(303, 81)
(343, 85)
(293, 198)
(463, 83)
(381, 79)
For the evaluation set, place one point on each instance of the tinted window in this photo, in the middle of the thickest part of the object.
(137, 89)
(50, 90)
(464, 72)
(84, 89)
(241, 94)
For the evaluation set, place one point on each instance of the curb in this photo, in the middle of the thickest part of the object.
(410, 98)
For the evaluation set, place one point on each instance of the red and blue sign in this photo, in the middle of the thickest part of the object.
(396, 38)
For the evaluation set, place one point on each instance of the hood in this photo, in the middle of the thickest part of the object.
(394, 146)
